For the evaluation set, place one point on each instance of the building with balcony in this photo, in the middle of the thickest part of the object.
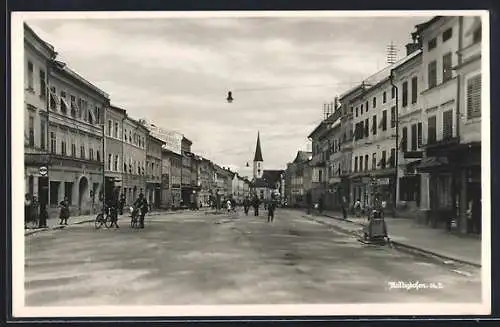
(38, 56)
(135, 136)
(76, 116)
(113, 150)
(153, 170)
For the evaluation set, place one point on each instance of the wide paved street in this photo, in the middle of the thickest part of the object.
(195, 258)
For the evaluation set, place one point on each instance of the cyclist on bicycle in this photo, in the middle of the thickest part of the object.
(141, 203)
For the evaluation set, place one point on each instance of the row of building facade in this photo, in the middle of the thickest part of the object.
(80, 147)
(411, 133)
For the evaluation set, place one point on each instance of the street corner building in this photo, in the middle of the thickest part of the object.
(64, 130)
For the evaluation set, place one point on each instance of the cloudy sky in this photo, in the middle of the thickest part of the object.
(176, 73)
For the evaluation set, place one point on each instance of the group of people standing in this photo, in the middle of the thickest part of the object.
(35, 212)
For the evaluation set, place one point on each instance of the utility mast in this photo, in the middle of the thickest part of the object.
(391, 53)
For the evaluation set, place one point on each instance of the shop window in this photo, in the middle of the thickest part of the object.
(68, 192)
(54, 193)
(444, 191)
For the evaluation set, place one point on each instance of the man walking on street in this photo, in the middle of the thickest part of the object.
(246, 205)
(256, 205)
(344, 207)
(271, 206)
(141, 203)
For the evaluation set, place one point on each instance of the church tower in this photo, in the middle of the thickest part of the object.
(258, 162)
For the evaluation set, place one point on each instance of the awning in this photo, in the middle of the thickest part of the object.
(433, 162)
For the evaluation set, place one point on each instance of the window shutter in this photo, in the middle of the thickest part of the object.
(474, 97)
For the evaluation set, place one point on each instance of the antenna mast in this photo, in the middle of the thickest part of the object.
(391, 53)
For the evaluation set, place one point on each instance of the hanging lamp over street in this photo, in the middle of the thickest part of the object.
(229, 97)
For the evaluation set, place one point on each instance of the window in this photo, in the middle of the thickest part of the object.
(384, 97)
(116, 130)
(374, 161)
(414, 137)
(82, 151)
(63, 147)
(110, 127)
(31, 136)
(125, 134)
(384, 158)
(447, 124)
(393, 92)
(68, 191)
(110, 158)
(130, 136)
(447, 67)
(447, 34)
(432, 72)
(404, 140)
(431, 130)
(431, 44)
(474, 97)
(30, 76)
(367, 130)
(392, 160)
(72, 105)
(362, 109)
(374, 102)
(43, 135)
(125, 166)
(414, 89)
(53, 102)
(116, 163)
(355, 164)
(374, 125)
(64, 107)
(419, 135)
(98, 155)
(54, 193)
(73, 149)
(366, 162)
(356, 111)
(360, 163)
(53, 142)
(91, 154)
(97, 114)
(393, 117)
(384, 120)
(476, 37)
(43, 84)
(405, 94)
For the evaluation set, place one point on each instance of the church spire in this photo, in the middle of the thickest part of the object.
(258, 151)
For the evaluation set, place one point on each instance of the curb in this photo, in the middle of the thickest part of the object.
(401, 246)
(57, 227)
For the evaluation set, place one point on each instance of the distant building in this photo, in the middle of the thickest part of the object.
(153, 170)
(113, 149)
(295, 188)
(171, 179)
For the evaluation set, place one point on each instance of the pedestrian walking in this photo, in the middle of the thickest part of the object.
(246, 205)
(43, 216)
(256, 204)
(308, 202)
(271, 206)
(122, 203)
(113, 211)
(142, 204)
(64, 211)
(344, 207)
(27, 209)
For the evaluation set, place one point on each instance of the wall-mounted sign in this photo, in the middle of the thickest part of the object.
(43, 170)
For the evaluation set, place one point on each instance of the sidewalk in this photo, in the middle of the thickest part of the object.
(406, 233)
(53, 222)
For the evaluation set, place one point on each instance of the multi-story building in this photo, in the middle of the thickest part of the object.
(153, 170)
(296, 185)
(113, 149)
(38, 56)
(171, 179)
(134, 159)
(439, 168)
(407, 78)
(468, 69)
(76, 115)
(207, 183)
(334, 136)
(187, 183)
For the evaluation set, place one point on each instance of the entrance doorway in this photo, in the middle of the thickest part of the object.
(43, 189)
(83, 188)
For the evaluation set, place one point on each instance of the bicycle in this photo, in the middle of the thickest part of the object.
(103, 218)
(135, 214)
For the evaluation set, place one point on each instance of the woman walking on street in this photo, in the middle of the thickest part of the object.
(64, 212)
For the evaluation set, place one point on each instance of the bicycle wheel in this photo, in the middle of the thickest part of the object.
(99, 220)
(108, 221)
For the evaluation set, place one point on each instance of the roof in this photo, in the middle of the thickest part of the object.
(169, 152)
(63, 67)
(272, 176)
(260, 182)
(302, 156)
(47, 45)
(423, 26)
(184, 139)
(123, 111)
(154, 138)
(258, 151)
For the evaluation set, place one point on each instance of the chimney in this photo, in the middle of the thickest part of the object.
(412, 47)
